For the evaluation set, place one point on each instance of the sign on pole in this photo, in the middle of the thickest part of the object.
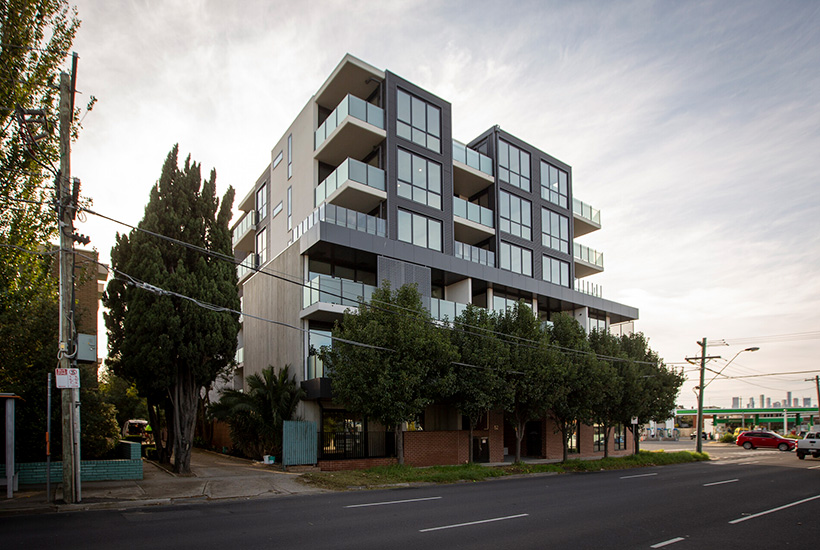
(634, 419)
(67, 378)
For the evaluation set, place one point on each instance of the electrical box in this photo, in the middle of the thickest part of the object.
(87, 348)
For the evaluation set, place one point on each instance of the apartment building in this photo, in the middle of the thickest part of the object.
(369, 184)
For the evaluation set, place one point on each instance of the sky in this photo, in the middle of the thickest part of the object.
(693, 126)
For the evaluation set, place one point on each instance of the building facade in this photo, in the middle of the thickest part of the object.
(368, 184)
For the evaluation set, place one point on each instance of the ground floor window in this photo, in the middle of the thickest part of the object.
(572, 442)
(598, 438)
(620, 437)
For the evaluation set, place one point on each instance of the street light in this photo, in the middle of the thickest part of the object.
(699, 433)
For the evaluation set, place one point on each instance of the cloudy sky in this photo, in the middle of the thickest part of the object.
(693, 126)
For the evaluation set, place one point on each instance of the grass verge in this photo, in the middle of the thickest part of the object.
(386, 476)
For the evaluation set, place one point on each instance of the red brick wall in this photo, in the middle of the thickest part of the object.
(496, 428)
(586, 436)
(435, 448)
(552, 440)
(355, 464)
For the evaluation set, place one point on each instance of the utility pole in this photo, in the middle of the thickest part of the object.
(817, 384)
(69, 396)
(699, 433)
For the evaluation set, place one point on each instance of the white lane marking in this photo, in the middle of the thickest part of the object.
(813, 468)
(667, 542)
(639, 475)
(720, 482)
(470, 523)
(738, 520)
(391, 502)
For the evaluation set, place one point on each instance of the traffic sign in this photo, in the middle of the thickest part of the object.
(67, 378)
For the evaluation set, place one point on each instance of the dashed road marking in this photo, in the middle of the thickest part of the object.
(667, 542)
(391, 502)
(471, 523)
(757, 515)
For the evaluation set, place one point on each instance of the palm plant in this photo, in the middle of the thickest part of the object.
(256, 417)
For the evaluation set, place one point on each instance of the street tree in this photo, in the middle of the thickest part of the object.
(614, 370)
(579, 374)
(479, 377)
(167, 344)
(388, 359)
(531, 374)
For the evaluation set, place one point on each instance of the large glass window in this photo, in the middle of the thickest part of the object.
(516, 259)
(554, 185)
(598, 438)
(277, 160)
(620, 437)
(555, 230)
(504, 300)
(516, 216)
(418, 121)
(317, 339)
(555, 271)
(572, 442)
(513, 165)
(419, 179)
(262, 246)
(261, 203)
(419, 230)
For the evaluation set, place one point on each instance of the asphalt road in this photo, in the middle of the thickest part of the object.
(751, 499)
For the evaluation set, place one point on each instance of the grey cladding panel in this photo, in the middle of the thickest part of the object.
(400, 273)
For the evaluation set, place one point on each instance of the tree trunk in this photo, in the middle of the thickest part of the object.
(607, 433)
(519, 435)
(399, 443)
(184, 395)
(565, 438)
(161, 443)
(470, 444)
(636, 438)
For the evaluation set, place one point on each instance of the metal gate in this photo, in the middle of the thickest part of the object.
(299, 445)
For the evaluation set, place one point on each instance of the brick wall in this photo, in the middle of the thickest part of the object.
(435, 448)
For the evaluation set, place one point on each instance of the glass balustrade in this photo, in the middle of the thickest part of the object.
(474, 254)
(349, 170)
(588, 255)
(587, 287)
(333, 290)
(344, 217)
(247, 223)
(441, 310)
(246, 266)
(472, 212)
(586, 211)
(349, 106)
(472, 158)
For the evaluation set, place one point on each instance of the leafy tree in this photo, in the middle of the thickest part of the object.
(479, 381)
(169, 346)
(579, 377)
(531, 377)
(614, 370)
(100, 433)
(403, 366)
(256, 418)
(651, 388)
(124, 396)
(34, 39)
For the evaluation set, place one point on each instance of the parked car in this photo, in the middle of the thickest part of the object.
(755, 439)
(809, 445)
(137, 430)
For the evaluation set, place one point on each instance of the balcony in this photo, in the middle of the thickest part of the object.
(343, 217)
(246, 267)
(325, 298)
(474, 254)
(243, 232)
(240, 356)
(585, 218)
(473, 223)
(587, 287)
(472, 171)
(352, 130)
(353, 184)
(588, 261)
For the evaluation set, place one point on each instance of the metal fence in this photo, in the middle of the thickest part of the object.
(345, 445)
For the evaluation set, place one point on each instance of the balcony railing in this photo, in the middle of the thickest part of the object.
(247, 266)
(341, 445)
(444, 309)
(472, 158)
(352, 106)
(588, 255)
(586, 287)
(247, 223)
(474, 254)
(472, 212)
(333, 290)
(240, 355)
(337, 215)
(351, 170)
(586, 211)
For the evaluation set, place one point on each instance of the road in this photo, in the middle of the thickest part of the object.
(755, 499)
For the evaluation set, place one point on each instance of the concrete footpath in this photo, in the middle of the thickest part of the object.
(214, 477)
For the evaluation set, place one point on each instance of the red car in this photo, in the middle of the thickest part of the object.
(753, 440)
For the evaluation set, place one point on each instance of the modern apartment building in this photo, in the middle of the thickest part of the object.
(369, 184)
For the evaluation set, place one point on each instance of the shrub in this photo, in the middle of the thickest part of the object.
(727, 438)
